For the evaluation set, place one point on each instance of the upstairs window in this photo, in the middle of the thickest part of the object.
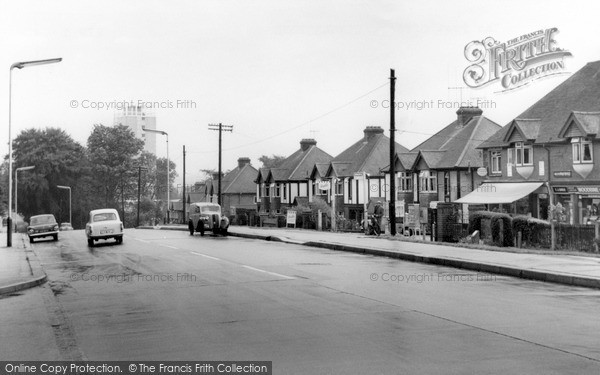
(496, 161)
(523, 154)
(582, 150)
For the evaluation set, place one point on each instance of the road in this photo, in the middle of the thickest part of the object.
(163, 295)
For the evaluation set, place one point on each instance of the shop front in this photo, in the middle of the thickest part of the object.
(581, 203)
(527, 198)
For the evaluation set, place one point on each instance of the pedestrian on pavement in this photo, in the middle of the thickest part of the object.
(378, 214)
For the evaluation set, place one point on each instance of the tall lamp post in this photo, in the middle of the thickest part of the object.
(18, 65)
(17, 184)
(168, 168)
(67, 188)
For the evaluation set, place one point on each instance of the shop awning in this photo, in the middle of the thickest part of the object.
(494, 193)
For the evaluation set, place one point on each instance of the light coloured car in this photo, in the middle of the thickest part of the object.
(42, 226)
(206, 216)
(65, 226)
(104, 224)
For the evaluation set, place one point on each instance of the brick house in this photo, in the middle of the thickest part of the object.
(443, 167)
(276, 188)
(238, 191)
(547, 154)
(367, 155)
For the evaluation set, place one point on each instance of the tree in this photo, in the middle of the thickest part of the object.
(272, 161)
(112, 153)
(58, 160)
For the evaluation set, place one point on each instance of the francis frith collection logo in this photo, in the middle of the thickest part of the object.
(516, 62)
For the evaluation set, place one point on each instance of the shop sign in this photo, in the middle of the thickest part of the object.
(564, 189)
(562, 174)
(588, 189)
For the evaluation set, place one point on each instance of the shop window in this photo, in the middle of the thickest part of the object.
(523, 154)
(496, 158)
(428, 182)
(582, 150)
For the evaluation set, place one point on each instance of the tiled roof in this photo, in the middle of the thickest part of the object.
(579, 93)
(407, 159)
(369, 154)
(298, 166)
(320, 168)
(240, 180)
(459, 143)
(432, 158)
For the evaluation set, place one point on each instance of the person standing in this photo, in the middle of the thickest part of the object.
(378, 214)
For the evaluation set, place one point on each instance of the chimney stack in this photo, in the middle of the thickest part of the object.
(306, 143)
(465, 114)
(371, 131)
(242, 162)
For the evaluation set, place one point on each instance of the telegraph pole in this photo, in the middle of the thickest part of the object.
(392, 155)
(221, 128)
(184, 200)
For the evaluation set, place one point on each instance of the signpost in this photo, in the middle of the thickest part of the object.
(291, 218)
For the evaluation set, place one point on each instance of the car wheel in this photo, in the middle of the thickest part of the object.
(120, 240)
(191, 228)
(224, 232)
(90, 242)
(30, 239)
(55, 237)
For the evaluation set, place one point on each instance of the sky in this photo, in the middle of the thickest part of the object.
(278, 71)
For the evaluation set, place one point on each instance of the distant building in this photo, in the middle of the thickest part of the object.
(238, 194)
(277, 188)
(136, 118)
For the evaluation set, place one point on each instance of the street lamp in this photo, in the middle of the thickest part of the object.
(18, 65)
(168, 167)
(17, 184)
(67, 188)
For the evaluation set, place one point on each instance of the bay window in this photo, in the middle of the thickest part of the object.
(404, 181)
(428, 181)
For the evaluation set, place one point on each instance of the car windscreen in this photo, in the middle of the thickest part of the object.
(45, 219)
(211, 209)
(105, 216)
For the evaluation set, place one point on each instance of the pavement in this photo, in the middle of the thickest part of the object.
(19, 267)
(572, 270)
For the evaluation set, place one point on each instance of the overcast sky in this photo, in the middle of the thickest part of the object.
(279, 71)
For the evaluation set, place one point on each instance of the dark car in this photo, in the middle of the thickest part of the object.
(42, 226)
(205, 216)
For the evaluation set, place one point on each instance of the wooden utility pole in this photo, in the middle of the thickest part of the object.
(184, 200)
(221, 128)
(392, 209)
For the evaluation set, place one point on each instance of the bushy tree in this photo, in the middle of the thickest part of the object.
(58, 160)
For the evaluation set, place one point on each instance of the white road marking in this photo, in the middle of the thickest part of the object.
(170, 247)
(137, 239)
(206, 256)
(248, 267)
(270, 273)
